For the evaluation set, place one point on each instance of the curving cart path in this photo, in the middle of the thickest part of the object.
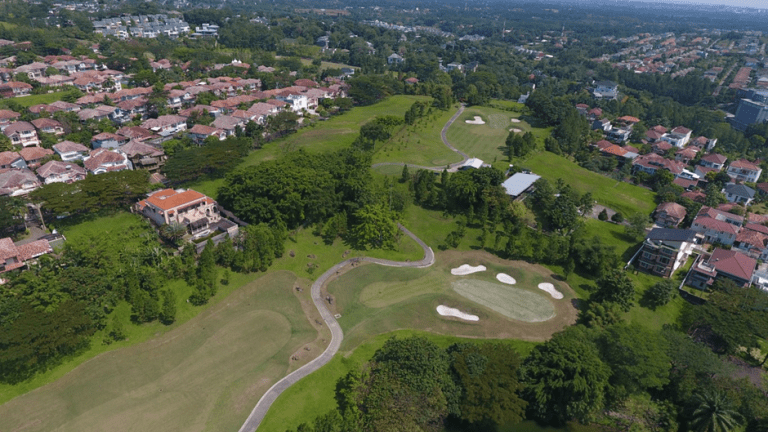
(337, 335)
(452, 167)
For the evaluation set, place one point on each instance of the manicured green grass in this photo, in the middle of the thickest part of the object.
(373, 299)
(314, 395)
(487, 141)
(420, 143)
(207, 373)
(510, 301)
(620, 196)
(28, 101)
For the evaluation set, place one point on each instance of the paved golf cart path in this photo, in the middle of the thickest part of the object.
(452, 167)
(337, 335)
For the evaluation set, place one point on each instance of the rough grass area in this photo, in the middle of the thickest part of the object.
(373, 299)
(512, 302)
(314, 395)
(334, 134)
(487, 141)
(617, 195)
(204, 375)
(420, 143)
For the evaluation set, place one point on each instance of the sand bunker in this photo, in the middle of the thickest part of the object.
(548, 287)
(452, 312)
(515, 130)
(515, 120)
(478, 121)
(505, 278)
(466, 269)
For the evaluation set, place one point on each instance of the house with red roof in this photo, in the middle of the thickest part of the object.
(49, 126)
(744, 171)
(60, 172)
(187, 207)
(15, 182)
(70, 151)
(686, 155)
(199, 133)
(678, 136)
(107, 140)
(714, 161)
(104, 160)
(11, 159)
(34, 155)
(651, 162)
(22, 134)
(14, 256)
(722, 263)
(7, 117)
(669, 214)
(753, 241)
(717, 226)
(15, 89)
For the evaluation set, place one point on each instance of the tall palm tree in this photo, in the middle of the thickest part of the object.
(713, 413)
(173, 231)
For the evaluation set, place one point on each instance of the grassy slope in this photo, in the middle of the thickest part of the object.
(487, 141)
(121, 222)
(334, 134)
(620, 196)
(420, 144)
(314, 395)
(200, 375)
(303, 244)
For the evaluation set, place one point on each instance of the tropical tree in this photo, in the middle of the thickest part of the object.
(713, 413)
(173, 231)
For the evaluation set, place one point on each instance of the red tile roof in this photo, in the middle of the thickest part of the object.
(741, 164)
(714, 158)
(672, 209)
(169, 199)
(732, 262)
(34, 153)
(34, 249)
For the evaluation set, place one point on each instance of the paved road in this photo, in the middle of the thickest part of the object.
(452, 167)
(337, 335)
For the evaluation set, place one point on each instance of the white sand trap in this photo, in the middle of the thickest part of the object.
(466, 269)
(515, 130)
(548, 287)
(505, 278)
(515, 120)
(478, 121)
(453, 312)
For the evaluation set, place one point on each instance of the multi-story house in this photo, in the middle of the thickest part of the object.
(187, 207)
(714, 161)
(722, 263)
(744, 171)
(60, 172)
(70, 151)
(665, 250)
(22, 134)
(166, 125)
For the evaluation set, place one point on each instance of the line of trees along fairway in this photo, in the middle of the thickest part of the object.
(616, 376)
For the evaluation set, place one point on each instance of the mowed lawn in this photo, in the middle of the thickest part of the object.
(620, 196)
(204, 375)
(28, 101)
(420, 143)
(314, 395)
(488, 141)
(373, 299)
